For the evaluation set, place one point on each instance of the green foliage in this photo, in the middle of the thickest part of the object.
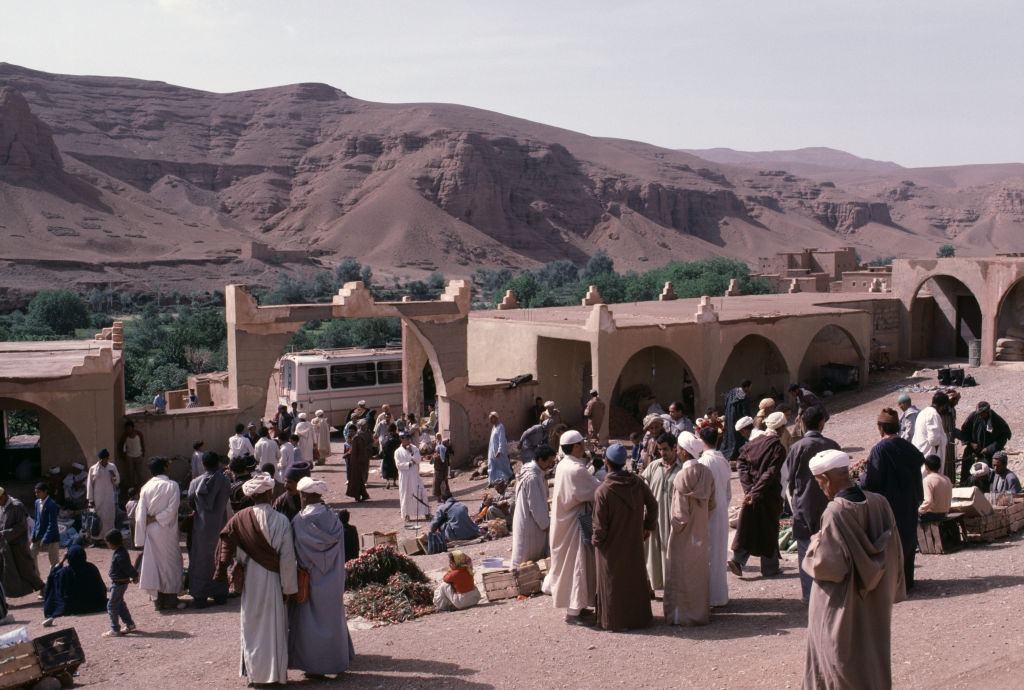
(23, 422)
(558, 283)
(886, 261)
(946, 251)
(57, 312)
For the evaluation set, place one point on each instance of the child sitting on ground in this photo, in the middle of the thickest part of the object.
(122, 572)
(458, 591)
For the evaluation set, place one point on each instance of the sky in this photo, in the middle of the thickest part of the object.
(934, 82)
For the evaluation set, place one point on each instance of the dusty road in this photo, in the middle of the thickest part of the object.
(962, 628)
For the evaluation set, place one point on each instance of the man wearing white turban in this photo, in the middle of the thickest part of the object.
(856, 562)
(259, 539)
(318, 641)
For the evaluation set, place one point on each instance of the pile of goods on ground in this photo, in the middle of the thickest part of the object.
(387, 586)
(1011, 349)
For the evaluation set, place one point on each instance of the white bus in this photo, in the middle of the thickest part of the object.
(336, 380)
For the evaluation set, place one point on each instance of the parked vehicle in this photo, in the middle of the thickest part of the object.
(336, 380)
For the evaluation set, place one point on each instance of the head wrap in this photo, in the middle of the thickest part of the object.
(103, 454)
(616, 454)
(2, 491)
(297, 471)
(54, 470)
(691, 444)
(549, 404)
(888, 416)
(319, 413)
(570, 438)
(260, 484)
(361, 403)
(828, 460)
(744, 422)
(904, 398)
(303, 416)
(459, 559)
(775, 421)
(593, 391)
(766, 404)
(308, 485)
(650, 419)
(979, 469)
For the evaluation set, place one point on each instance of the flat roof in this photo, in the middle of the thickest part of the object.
(739, 308)
(44, 360)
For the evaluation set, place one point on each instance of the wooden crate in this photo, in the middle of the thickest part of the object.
(368, 540)
(543, 564)
(942, 536)
(988, 528)
(500, 584)
(528, 579)
(19, 665)
(59, 651)
(411, 547)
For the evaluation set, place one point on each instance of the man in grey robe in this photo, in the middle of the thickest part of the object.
(532, 439)
(208, 498)
(319, 642)
(531, 521)
(20, 576)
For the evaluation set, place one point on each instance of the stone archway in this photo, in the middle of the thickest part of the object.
(945, 316)
(758, 359)
(652, 373)
(1010, 324)
(832, 345)
(59, 444)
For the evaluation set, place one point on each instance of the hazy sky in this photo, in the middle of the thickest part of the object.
(922, 83)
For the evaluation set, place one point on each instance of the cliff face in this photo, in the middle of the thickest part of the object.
(124, 173)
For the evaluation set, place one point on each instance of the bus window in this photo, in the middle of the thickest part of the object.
(353, 375)
(317, 378)
(389, 372)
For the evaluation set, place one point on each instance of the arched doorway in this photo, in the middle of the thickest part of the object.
(758, 359)
(833, 361)
(652, 374)
(429, 388)
(1010, 325)
(26, 461)
(944, 317)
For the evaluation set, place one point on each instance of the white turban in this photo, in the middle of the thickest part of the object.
(319, 413)
(302, 416)
(308, 485)
(691, 444)
(54, 470)
(744, 422)
(260, 483)
(651, 418)
(828, 460)
(775, 421)
(570, 438)
(549, 403)
(979, 469)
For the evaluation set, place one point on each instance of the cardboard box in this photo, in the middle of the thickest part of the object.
(368, 540)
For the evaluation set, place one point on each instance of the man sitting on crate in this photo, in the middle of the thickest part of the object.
(938, 491)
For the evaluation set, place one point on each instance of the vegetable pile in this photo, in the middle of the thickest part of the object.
(400, 599)
(387, 586)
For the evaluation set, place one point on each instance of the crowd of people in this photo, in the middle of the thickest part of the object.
(620, 524)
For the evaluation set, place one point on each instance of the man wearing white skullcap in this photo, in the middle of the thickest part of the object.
(318, 638)
(571, 579)
(856, 562)
(260, 540)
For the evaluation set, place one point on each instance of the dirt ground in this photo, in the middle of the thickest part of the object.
(961, 628)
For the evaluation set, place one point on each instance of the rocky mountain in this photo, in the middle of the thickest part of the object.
(111, 181)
